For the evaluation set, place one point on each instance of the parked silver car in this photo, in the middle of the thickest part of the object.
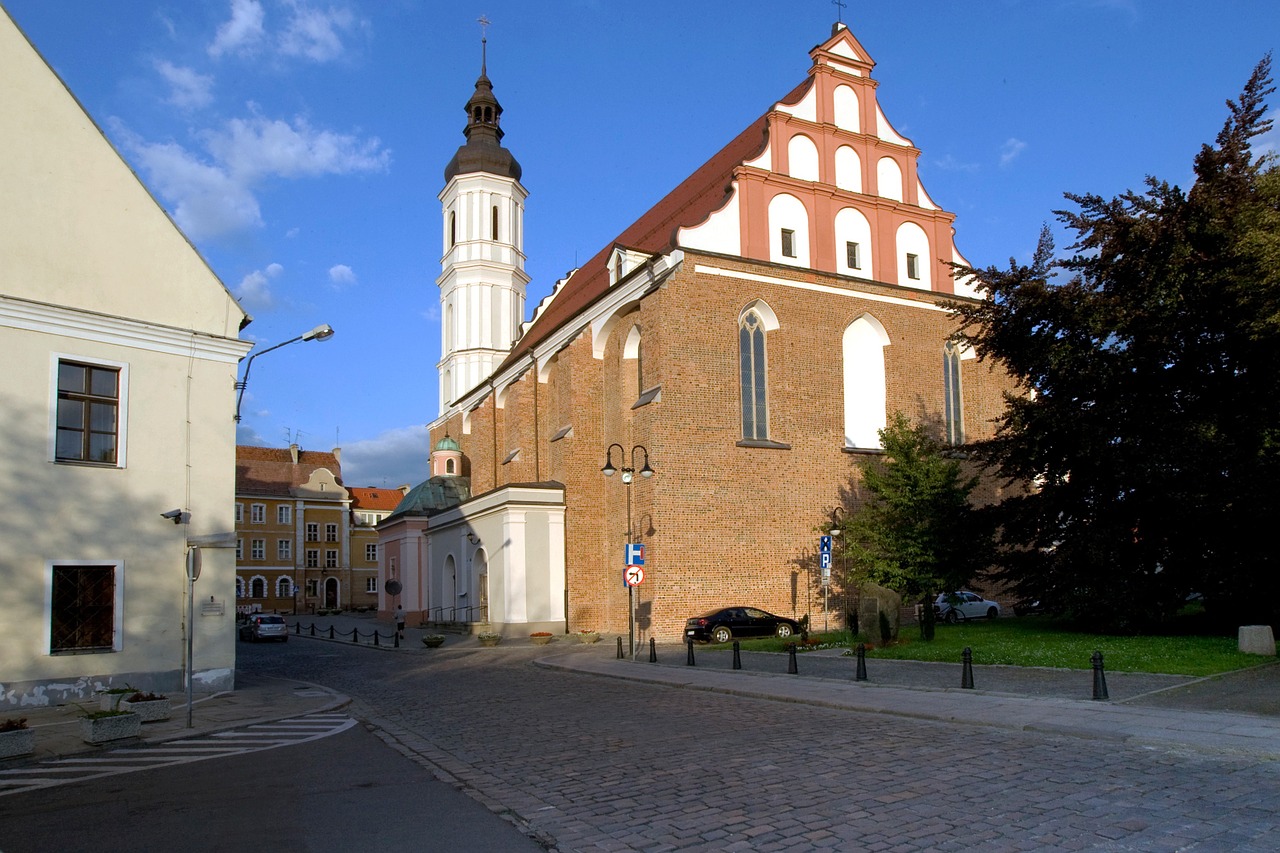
(954, 607)
(264, 626)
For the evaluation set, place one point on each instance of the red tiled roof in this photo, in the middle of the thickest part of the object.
(271, 470)
(690, 203)
(374, 499)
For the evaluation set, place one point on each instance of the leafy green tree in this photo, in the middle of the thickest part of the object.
(916, 531)
(1146, 425)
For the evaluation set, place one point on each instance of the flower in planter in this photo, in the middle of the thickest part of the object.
(488, 638)
(540, 638)
(433, 641)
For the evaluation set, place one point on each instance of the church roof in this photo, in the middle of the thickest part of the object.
(434, 496)
(272, 471)
(690, 203)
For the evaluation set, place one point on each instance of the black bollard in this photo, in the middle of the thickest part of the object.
(397, 640)
(653, 650)
(331, 632)
(737, 656)
(690, 662)
(375, 637)
(791, 659)
(861, 674)
(966, 674)
(1099, 678)
(313, 629)
(355, 635)
(297, 628)
(619, 648)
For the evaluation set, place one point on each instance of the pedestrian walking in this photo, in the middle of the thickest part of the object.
(400, 621)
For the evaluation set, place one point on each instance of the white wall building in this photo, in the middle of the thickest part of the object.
(120, 351)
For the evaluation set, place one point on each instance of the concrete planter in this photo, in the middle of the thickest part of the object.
(489, 640)
(109, 700)
(17, 742)
(539, 639)
(588, 636)
(433, 641)
(149, 711)
(109, 728)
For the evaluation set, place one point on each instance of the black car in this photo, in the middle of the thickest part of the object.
(721, 626)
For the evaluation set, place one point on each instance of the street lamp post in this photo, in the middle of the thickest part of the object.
(836, 515)
(320, 333)
(628, 475)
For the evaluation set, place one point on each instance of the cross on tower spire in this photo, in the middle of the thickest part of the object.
(484, 23)
(840, 6)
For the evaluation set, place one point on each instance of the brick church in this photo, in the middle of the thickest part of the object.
(728, 358)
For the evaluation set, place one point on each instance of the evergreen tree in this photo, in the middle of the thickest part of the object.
(916, 532)
(1146, 421)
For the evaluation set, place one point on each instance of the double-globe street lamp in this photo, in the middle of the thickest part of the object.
(320, 333)
(628, 475)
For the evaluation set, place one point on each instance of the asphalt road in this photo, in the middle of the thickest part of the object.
(344, 793)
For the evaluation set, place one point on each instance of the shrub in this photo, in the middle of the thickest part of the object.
(13, 725)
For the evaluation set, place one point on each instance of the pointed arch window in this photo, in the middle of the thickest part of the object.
(952, 403)
(864, 383)
(753, 362)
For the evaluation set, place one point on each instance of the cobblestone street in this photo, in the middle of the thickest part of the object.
(590, 763)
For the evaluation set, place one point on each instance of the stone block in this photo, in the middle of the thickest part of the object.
(1257, 640)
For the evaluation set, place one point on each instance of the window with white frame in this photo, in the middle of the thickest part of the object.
(284, 514)
(258, 514)
(284, 549)
(313, 558)
(331, 533)
(239, 587)
(258, 549)
(284, 587)
(788, 238)
(239, 549)
(239, 513)
(88, 415)
(331, 559)
(84, 607)
(913, 265)
(312, 586)
(371, 552)
(313, 532)
(370, 584)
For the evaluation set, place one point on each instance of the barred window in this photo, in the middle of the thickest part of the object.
(82, 616)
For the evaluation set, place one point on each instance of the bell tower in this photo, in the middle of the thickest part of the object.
(482, 282)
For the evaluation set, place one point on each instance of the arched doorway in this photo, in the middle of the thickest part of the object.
(449, 580)
(331, 593)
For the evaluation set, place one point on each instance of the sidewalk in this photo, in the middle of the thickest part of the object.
(256, 699)
(1152, 710)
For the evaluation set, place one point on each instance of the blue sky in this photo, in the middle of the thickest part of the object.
(301, 143)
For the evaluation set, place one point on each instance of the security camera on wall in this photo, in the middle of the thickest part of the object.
(174, 515)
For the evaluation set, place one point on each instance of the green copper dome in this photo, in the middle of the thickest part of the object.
(447, 443)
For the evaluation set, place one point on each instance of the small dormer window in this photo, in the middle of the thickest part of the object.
(913, 266)
(788, 243)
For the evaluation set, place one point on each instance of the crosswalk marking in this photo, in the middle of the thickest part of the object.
(255, 738)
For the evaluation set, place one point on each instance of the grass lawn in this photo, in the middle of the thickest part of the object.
(1041, 641)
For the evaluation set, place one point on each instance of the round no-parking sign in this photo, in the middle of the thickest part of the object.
(634, 575)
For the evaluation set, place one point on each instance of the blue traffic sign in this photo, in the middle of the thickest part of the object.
(825, 560)
(635, 554)
(824, 544)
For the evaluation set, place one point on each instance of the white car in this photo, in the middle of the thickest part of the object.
(952, 607)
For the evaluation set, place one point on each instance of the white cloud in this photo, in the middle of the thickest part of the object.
(189, 90)
(341, 275)
(243, 33)
(395, 457)
(1010, 150)
(216, 197)
(315, 34)
(256, 147)
(949, 163)
(432, 313)
(254, 290)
